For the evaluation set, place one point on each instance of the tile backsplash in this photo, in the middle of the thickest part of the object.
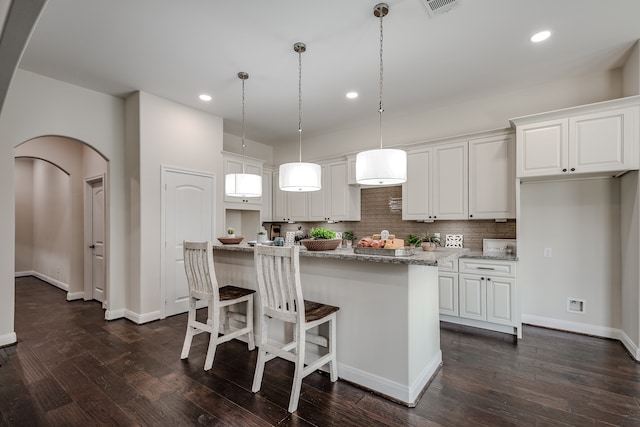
(378, 212)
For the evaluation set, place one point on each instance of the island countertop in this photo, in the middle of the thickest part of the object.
(420, 257)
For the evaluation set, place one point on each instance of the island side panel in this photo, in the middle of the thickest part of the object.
(425, 355)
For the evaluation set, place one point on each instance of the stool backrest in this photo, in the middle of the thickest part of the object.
(201, 274)
(278, 274)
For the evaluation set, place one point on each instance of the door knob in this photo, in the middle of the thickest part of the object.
(92, 246)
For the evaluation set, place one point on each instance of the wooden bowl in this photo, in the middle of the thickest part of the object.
(231, 240)
(321, 244)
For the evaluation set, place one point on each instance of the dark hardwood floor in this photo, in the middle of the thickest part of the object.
(72, 368)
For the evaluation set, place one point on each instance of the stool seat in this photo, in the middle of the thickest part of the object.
(231, 292)
(315, 311)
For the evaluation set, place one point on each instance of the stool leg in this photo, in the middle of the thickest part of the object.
(214, 318)
(262, 354)
(333, 365)
(252, 343)
(298, 374)
(189, 334)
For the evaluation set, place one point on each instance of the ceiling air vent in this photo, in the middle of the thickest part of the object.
(438, 7)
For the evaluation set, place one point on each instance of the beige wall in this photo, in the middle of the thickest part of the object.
(631, 72)
(630, 248)
(24, 215)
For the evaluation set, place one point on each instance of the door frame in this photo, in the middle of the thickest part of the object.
(88, 231)
(163, 238)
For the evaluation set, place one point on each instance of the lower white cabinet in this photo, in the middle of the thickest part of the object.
(482, 294)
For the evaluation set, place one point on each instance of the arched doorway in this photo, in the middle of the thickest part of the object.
(65, 247)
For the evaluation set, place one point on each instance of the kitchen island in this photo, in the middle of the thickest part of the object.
(388, 329)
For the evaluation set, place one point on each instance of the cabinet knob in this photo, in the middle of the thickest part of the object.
(470, 216)
(482, 278)
(488, 278)
(573, 169)
(434, 217)
(564, 170)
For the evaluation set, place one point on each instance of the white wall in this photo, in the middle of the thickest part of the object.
(256, 150)
(631, 72)
(24, 215)
(53, 237)
(37, 106)
(490, 112)
(580, 222)
(173, 135)
(630, 248)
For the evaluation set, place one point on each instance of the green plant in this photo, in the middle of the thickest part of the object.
(230, 230)
(348, 235)
(322, 233)
(262, 232)
(414, 240)
(432, 239)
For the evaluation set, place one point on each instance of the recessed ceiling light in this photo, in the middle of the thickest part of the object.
(352, 95)
(205, 97)
(541, 36)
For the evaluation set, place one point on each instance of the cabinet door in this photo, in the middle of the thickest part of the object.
(448, 283)
(542, 148)
(415, 191)
(450, 181)
(280, 212)
(473, 296)
(297, 206)
(603, 141)
(318, 199)
(267, 192)
(492, 192)
(235, 165)
(501, 300)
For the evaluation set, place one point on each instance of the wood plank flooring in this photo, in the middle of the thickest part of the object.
(72, 368)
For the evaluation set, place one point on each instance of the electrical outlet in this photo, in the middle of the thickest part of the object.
(437, 235)
(576, 305)
(547, 252)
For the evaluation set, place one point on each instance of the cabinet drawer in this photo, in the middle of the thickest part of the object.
(493, 268)
(449, 265)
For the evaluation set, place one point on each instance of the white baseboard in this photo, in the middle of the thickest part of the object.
(72, 296)
(581, 328)
(51, 281)
(141, 318)
(8, 339)
(24, 273)
(400, 392)
(114, 314)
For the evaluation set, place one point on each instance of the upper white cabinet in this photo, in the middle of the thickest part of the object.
(596, 138)
(233, 163)
(492, 191)
(335, 201)
(437, 183)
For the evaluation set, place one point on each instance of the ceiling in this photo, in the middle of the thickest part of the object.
(180, 49)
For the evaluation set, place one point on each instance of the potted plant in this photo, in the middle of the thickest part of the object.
(414, 241)
(322, 239)
(231, 232)
(261, 236)
(349, 237)
(429, 242)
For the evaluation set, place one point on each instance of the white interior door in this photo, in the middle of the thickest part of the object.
(97, 241)
(188, 215)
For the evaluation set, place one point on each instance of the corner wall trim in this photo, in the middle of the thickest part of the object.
(581, 328)
(24, 273)
(8, 339)
(113, 314)
(72, 296)
(52, 281)
(141, 318)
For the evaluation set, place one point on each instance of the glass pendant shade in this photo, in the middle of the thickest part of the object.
(384, 166)
(300, 176)
(243, 185)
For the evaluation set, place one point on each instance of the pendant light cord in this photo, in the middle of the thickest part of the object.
(243, 141)
(381, 109)
(300, 101)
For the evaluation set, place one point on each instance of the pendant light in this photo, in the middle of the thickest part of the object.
(243, 184)
(300, 176)
(383, 166)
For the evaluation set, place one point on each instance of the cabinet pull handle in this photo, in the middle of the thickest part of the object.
(485, 268)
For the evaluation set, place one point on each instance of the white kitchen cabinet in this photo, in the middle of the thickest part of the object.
(437, 183)
(486, 295)
(448, 287)
(492, 180)
(585, 140)
(233, 163)
(288, 205)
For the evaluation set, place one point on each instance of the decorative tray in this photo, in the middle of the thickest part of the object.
(383, 252)
(230, 240)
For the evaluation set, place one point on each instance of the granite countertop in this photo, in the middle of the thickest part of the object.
(482, 255)
(420, 257)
